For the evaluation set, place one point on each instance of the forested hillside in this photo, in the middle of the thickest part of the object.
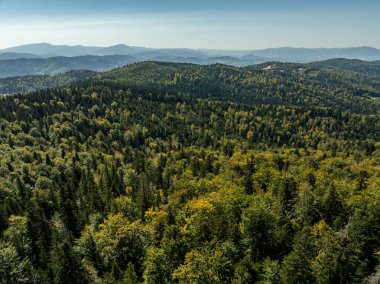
(270, 83)
(179, 173)
(27, 84)
(364, 67)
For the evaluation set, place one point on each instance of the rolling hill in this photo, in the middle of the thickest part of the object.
(60, 58)
(268, 83)
(364, 67)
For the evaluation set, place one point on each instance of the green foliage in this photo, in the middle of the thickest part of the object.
(172, 173)
(13, 269)
(66, 265)
(258, 230)
(211, 264)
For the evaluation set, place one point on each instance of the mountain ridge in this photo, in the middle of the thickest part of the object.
(302, 55)
(45, 58)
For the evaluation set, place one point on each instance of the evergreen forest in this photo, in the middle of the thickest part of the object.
(180, 173)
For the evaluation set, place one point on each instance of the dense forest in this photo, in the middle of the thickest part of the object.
(28, 84)
(370, 68)
(180, 173)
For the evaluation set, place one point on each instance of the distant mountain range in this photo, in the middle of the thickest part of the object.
(43, 58)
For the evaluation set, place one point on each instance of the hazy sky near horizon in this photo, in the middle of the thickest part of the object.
(220, 24)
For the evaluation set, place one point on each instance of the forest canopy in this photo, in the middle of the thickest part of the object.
(180, 173)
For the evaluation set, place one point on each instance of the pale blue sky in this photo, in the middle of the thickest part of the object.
(217, 24)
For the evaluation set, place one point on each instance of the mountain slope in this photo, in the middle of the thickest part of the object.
(27, 84)
(293, 84)
(354, 65)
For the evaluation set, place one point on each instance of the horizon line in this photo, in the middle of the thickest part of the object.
(198, 48)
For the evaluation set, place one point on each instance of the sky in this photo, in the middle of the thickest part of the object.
(214, 24)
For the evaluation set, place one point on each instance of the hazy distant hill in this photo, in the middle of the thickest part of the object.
(290, 54)
(54, 65)
(304, 55)
(49, 50)
(15, 55)
(121, 49)
(45, 58)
